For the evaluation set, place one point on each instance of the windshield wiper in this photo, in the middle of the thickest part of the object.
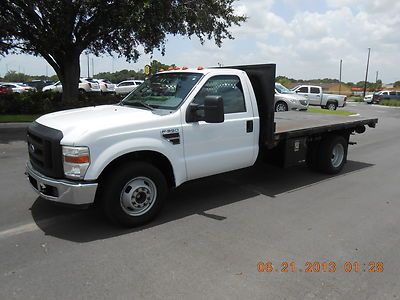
(138, 103)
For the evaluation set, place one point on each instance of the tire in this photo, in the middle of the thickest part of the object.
(281, 106)
(332, 154)
(118, 190)
(82, 91)
(331, 106)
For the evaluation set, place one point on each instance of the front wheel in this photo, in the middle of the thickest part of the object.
(132, 194)
(281, 106)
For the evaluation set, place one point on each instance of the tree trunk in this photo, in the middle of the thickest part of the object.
(69, 78)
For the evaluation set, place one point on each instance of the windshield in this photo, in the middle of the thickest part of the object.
(164, 90)
(282, 89)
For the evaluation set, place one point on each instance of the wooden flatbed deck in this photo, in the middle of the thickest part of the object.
(296, 123)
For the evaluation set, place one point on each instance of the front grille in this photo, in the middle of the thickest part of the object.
(44, 150)
(304, 102)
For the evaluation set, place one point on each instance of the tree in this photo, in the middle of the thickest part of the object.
(13, 76)
(156, 66)
(119, 76)
(61, 30)
(397, 84)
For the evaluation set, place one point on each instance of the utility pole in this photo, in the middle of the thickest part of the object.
(340, 76)
(366, 73)
(92, 67)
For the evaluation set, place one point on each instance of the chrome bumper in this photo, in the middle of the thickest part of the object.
(59, 190)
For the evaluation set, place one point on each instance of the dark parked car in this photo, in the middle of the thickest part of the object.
(386, 95)
(39, 84)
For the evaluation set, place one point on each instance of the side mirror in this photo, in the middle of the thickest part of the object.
(211, 112)
(214, 109)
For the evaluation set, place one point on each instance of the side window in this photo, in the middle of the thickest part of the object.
(303, 89)
(229, 88)
(314, 90)
(392, 93)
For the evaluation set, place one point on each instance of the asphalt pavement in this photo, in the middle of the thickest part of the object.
(212, 234)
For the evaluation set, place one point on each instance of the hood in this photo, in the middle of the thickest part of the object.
(77, 124)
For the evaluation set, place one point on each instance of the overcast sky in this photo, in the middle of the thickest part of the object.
(305, 38)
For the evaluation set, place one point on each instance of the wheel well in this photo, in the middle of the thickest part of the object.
(155, 158)
(332, 101)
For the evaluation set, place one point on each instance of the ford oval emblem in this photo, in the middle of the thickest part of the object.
(31, 148)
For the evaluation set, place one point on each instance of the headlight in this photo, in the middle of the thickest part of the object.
(76, 161)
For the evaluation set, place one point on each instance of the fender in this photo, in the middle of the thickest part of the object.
(104, 157)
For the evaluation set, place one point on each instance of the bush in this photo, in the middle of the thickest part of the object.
(390, 102)
(356, 98)
(45, 102)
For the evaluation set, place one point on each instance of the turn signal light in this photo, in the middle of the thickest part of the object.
(77, 159)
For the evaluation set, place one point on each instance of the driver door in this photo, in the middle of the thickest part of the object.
(220, 147)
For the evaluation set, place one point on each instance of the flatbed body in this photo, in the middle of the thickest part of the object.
(297, 124)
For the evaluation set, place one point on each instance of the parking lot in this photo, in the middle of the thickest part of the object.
(213, 232)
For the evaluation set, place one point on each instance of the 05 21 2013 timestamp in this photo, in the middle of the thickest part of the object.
(320, 267)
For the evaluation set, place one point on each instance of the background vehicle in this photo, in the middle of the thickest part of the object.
(85, 86)
(315, 96)
(386, 95)
(286, 99)
(175, 127)
(127, 86)
(5, 89)
(106, 86)
(369, 98)
(38, 84)
(18, 87)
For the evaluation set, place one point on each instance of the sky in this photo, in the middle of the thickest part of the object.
(305, 38)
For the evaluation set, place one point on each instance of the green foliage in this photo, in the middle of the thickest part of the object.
(356, 99)
(13, 76)
(119, 76)
(60, 31)
(283, 80)
(371, 86)
(397, 84)
(156, 66)
(391, 102)
(44, 102)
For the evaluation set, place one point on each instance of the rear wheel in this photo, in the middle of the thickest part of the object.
(332, 154)
(133, 194)
(331, 106)
(281, 106)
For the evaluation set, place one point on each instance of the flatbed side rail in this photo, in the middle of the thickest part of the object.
(309, 131)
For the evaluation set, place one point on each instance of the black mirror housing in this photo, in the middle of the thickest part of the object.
(214, 109)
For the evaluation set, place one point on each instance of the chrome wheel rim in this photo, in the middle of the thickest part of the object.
(138, 196)
(337, 155)
(331, 106)
(280, 107)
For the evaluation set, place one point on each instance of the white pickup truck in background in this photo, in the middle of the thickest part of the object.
(316, 97)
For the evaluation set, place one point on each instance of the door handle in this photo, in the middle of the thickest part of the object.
(249, 126)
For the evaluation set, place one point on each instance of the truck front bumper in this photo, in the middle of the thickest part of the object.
(59, 190)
